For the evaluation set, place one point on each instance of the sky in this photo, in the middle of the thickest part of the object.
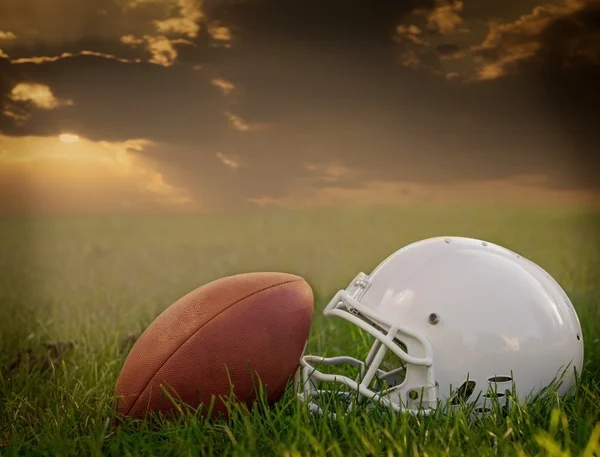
(189, 105)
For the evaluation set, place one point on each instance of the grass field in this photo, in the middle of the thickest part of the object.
(93, 280)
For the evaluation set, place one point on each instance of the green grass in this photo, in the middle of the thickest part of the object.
(95, 279)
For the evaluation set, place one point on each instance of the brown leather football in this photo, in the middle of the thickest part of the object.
(216, 333)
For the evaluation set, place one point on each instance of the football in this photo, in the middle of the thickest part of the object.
(220, 338)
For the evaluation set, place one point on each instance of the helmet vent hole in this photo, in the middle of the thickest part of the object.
(497, 379)
(578, 337)
(464, 392)
(483, 410)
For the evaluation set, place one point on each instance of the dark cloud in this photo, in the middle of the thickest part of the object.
(323, 80)
(114, 101)
(337, 23)
(447, 49)
(63, 22)
(566, 71)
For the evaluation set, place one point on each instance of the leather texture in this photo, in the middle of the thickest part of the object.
(216, 333)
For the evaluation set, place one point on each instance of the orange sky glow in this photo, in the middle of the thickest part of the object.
(69, 174)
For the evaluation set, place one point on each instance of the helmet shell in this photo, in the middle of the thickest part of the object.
(490, 316)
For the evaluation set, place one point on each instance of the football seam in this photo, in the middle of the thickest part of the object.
(198, 329)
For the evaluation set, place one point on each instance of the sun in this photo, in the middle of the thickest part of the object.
(68, 138)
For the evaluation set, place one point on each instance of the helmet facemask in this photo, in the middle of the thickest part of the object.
(409, 387)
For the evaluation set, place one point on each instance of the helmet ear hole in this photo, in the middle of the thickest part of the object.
(463, 393)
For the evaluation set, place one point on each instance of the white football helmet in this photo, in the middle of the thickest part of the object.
(466, 319)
